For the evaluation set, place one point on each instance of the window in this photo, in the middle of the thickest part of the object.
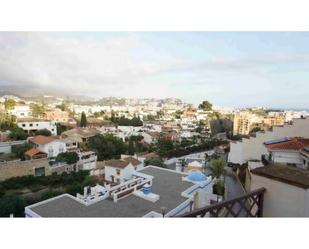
(30, 125)
(23, 125)
(118, 171)
(39, 171)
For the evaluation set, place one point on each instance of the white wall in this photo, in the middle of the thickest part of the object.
(31, 126)
(254, 148)
(281, 199)
(54, 146)
(125, 173)
(287, 157)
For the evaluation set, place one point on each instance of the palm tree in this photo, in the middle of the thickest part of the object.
(218, 172)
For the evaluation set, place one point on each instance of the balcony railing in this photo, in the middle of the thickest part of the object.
(248, 205)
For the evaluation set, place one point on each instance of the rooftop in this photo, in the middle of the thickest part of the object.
(40, 139)
(288, 144)
(286, 174)
(166, 183)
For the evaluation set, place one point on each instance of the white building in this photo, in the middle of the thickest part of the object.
(52, 146)
(21, 111)
(252, 148)
(88, 160)
(33, 125)
(118, 171)
(289, 151)
(287, 190)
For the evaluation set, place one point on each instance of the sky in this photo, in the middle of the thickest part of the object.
(236, 69)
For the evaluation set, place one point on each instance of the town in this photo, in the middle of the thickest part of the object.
(125, 157)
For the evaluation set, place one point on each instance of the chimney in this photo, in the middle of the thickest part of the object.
(85, 191)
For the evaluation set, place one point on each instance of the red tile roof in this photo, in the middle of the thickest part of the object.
(42, 139)
(33, 152)
(292, 144)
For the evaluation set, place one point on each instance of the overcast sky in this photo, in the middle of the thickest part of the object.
(228, 68)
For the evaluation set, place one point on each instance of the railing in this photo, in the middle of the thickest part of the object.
(248, 205)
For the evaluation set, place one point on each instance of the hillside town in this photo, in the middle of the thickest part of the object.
(121, 157)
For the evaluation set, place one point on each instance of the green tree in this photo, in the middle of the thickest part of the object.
(107, 146)
(19, 150)
(165, 147)
(217, 168)
(43, 132)
(11, 204)
(155, 161)
(38, 110)
(255, 129)
(205, 105)
(131, 149)
(83, 120)
(68, 157)
(9, 104)
(18, 134)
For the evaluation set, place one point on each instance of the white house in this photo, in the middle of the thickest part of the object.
(253, 147)
(88, 160)
(150, 136)
(33, 125)
(118, 171)
(52, 146)
(290, 151)
(21, 111)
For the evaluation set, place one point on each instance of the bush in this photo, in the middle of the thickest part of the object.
(11, 204)
(43, 132)
(67, 157)
(218, 188)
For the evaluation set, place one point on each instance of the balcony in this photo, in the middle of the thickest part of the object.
(248, 205)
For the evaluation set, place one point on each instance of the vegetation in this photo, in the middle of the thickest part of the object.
(11, 204)
(7, 122)
(123, 121)
(255, 129)
(67, 157)
(43, 132)
(9, 104)
(38, 110)
(107, 146)
(155, 161)
(15, 202)
(17, 134)
(83, 120)
(205, 105)
(19, 150)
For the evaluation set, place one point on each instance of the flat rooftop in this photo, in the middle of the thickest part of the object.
(166, 183)
(286, 174)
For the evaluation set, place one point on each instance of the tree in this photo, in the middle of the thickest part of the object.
(131, 149)
(155, 161)
(205, 105)
(18, 134)
(217, 168)
(11, 204)
(255, 129)
(83, 120)
(38, 110)
(62, 107)
(43, 132)
(68, 157)
(165, 147)
(19, 150)
(9, 104)
(107, 146)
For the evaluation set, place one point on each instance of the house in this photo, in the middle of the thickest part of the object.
(252, 147)
(80, 135)
(58, 116)
(31, 125)
(21, 111)
(287, 190)
(87, 160)
(289, 151)
(151, 136)
(117, 171)
(49, 145)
